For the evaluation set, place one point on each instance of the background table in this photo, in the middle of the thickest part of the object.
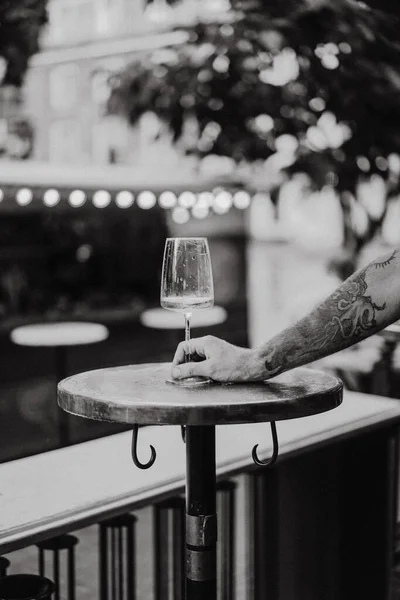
(159, 318)
(59, 336)
(140, 395)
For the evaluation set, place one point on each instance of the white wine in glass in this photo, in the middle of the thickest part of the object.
(187, 285)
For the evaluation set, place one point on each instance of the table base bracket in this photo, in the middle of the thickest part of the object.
(201, 530)
(201, 564)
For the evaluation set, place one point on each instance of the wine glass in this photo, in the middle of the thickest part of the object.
(187, 285)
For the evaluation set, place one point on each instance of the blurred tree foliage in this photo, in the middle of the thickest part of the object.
(20, 25)
(315, 84)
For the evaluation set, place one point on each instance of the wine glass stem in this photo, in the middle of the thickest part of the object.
(187, 334)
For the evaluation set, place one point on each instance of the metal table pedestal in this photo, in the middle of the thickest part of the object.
(140, 395)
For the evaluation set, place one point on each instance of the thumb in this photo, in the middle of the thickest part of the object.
(190, 369)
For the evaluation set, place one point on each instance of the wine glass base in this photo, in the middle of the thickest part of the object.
(191, 381)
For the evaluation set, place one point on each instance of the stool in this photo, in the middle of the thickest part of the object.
(56, 545)
(117, 556)
(4, 564)
(60, 336)
(25, 587)
(262, 519)
(226, 504)
(169, 524)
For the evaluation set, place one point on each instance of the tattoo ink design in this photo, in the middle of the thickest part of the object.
(345, 318)
(356, 311)
(381, 264)
(269, 362)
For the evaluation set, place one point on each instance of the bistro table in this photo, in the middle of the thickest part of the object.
(140, 395)
(60, 336)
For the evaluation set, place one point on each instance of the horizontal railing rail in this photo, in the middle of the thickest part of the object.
(311, 523)
(85, 483)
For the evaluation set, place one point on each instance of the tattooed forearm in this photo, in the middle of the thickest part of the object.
(353, 311)
(363, 304)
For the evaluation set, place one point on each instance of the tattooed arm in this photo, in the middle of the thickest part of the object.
(365, 303)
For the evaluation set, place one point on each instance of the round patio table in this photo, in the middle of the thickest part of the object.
(140, 395)
(60, 336)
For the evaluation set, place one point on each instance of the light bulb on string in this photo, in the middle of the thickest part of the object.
(77, 198)
(51, 198)
(24, 196)
(124, 199)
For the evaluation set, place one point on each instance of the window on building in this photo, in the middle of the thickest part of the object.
(71, 21)
(64, 87)
(109, 17)
(110, 140)
(65, 142)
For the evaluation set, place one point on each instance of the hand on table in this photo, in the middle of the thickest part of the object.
(218, 360)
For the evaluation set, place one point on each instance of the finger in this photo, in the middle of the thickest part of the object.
(193, 346)
(191, 369)
(180, 354)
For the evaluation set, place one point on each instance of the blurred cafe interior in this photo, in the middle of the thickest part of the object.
(272, 128)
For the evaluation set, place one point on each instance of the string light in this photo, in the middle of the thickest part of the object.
(51, 198)
(205, 199)
(146, 200)
(167, 200)
(200, 212)
(24, 196)
(187, 199)
(101, 199)
(124, 199)
(241, 199)
(183, 206)
(180, 215)
(77, 198)
(222, 202)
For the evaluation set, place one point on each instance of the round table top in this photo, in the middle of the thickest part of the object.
(160, 318)
(69, 333)
(391, 333)
(140, 394)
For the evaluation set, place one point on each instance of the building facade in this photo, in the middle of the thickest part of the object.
(65, 93)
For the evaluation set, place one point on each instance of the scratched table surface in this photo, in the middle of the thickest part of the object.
(140, 394)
